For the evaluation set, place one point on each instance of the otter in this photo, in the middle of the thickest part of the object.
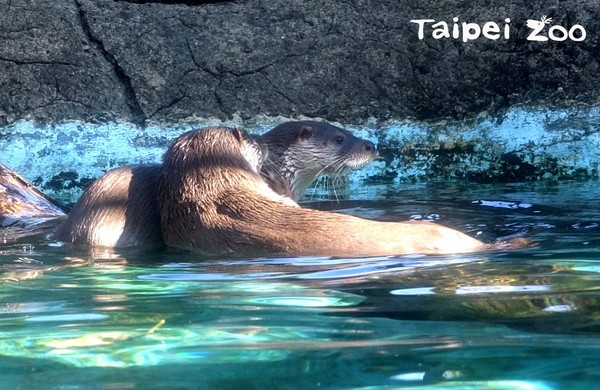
(301, 151)
(211, 200)
(119, 209)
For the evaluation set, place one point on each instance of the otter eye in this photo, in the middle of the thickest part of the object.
(339, 139)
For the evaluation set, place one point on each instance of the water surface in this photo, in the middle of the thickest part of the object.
(526, 319)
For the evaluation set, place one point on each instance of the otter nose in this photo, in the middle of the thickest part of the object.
(369, 146)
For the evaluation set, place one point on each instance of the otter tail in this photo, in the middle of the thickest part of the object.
(22, 206)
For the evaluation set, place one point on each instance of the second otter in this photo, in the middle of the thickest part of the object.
(300, 152)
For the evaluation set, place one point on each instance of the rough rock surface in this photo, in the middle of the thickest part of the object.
(166, 62)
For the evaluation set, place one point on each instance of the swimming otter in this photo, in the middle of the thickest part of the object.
(301, 151)
(119, 209)
(211, 200)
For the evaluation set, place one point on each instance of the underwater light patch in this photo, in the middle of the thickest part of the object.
(502, 204)
(587, 268)
(473, 290)
(68, 317)
(414, 291)
(488, 385)
(309, 301)
(559, 308)
(161, 345)
(500, 289)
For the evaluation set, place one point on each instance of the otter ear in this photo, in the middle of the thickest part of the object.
(305, 132)
(238, 134)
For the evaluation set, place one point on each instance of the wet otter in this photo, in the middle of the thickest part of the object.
(119, 209)
(211, 200)
(300, 152)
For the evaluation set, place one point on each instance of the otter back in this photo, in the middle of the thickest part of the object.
(117, 210)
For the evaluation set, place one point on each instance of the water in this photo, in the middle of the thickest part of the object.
(527, 319)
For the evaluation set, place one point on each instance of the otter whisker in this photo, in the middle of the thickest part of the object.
(322, 178)
(336, 180)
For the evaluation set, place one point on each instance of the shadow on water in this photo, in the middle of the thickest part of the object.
(524, 319)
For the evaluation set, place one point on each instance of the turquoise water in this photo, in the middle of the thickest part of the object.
(527, 319)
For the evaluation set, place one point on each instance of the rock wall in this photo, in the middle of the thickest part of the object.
(86, 85)
(157, 62)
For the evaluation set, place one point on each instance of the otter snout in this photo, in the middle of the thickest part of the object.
(365, 149)
(370, 148)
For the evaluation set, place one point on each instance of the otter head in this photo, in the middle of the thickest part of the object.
(206, 152)
(300, 152)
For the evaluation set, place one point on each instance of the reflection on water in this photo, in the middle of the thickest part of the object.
(526, 319)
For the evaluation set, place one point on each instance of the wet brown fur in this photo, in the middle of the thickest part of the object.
(117, 210)
(211, 201)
